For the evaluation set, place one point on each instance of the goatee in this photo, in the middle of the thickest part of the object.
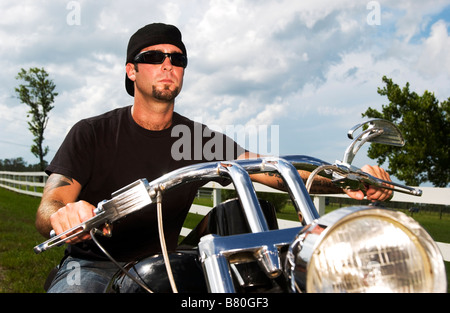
(165, 94)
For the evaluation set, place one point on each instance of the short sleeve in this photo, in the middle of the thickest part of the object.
(74, 157)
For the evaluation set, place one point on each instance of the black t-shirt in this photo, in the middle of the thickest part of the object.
(109, 151)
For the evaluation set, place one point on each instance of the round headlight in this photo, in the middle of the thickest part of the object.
(367, 249)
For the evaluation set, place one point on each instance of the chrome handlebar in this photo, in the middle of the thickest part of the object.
(141, 193)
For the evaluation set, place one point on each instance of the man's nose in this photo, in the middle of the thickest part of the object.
(167, 64)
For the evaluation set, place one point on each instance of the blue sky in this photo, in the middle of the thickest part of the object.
(309, 67)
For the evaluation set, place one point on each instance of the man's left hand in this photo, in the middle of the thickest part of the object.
(372, 193)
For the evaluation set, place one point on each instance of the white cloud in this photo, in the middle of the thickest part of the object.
(307, 66)
(434, 59)
(416, 16)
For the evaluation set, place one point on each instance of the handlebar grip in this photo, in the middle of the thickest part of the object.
(47, 244)
(55, 240)
(346, 175)
(390, 185)
(40, 248)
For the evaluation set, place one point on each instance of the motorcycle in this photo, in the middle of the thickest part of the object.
(238, 247)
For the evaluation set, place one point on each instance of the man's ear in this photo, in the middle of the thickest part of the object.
(131, 71)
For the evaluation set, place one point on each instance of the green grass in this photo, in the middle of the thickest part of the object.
(22, 271)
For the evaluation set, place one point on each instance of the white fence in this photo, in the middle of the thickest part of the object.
(32, 183)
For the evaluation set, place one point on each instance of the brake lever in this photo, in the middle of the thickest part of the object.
(349, 177)
(381, 183)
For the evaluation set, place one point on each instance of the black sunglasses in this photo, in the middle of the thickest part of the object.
(158, 57)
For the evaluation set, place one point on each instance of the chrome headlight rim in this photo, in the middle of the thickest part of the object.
(308, 243)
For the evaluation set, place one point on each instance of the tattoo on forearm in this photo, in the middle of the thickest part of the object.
(280, 182)
(57, 181)
(323, 186)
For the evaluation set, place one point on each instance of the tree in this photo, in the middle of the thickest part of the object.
(425, 125)
(38, 93)
(15, 165)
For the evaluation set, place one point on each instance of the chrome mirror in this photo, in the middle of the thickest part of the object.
(375, 130)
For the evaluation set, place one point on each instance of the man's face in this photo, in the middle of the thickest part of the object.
(162, 82)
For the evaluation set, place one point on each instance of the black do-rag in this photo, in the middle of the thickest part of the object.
(150, 35)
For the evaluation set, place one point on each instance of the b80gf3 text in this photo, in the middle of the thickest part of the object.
(237, 302)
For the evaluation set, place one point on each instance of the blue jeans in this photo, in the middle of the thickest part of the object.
(82, 276)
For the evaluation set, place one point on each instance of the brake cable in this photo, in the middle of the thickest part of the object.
(163, 242)
(316, 171)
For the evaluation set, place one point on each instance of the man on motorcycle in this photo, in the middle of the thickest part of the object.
(104, 153)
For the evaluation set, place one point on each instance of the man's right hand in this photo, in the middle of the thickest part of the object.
(71, 215)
